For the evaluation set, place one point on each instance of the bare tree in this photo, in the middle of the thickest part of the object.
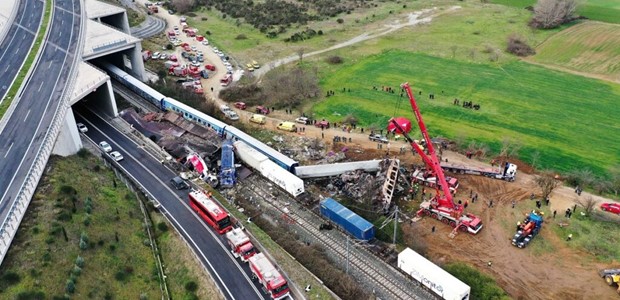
(300, 52)
(588, 203)
(510, 147)
(614, 180)
(535, 159)
(547, 183)
(553, 13)
(183, 6)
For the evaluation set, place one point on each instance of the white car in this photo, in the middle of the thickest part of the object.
(199, 52)
(302, 120)
(163, 56)
(176, 27)
(196, 64)
(82, 128)
(205, 42)
(117, 156)
(229, 68)
(105, 146)
(155, 55)
(215, 50)
(193, 48)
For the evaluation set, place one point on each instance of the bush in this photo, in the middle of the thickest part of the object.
(334, 60)
(79, 261)
(76, 271)
(30, 295)
(482, 286)
(120, 276)
(83, 153)
(191, 286)
(11, 278)
(162, 226)
(67, 190)
(518, 47)
(340, 21)
(70, 287)
(241, 37)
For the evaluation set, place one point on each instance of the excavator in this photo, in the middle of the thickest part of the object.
(441, 206)
(611, 276)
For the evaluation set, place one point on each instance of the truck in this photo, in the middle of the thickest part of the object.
(177, 71)
(226, 80)
(432, 276)
(269, 277)
(427, 178)
(441, 206)
(611, 276)
(527, 230)
(240, 244)
(146, 55)
(507, 171)
(348, 220)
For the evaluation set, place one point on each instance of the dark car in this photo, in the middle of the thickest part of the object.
(375, 137)
(178, 183)
(613, 208)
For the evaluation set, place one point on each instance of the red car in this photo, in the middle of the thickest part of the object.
(210, 67)
(240, 105)
(262, 110)
(611, 207)
(322, 124)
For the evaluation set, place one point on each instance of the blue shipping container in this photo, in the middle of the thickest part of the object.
(350, 221)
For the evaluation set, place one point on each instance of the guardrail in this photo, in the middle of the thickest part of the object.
(9, 226)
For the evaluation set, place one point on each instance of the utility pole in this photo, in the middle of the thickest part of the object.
(395, 223)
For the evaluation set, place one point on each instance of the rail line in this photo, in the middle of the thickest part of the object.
(392, 284)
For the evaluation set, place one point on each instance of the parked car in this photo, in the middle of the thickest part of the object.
(105, 146)
(155, 55)
(178, 183)
(302, 120)
(82, 128)
(375, 137)
(322, 124)
(205, 42)
(193, 48)
(210, 67)
(115, 155)
(171, 12)
(163, 56)
(250, 67)
(240, 105)
(611, 207)
(262, 110)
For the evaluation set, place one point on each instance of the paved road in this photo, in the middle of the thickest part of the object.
(231, 276)
(150, 27)
(26, 127)
(14, 48)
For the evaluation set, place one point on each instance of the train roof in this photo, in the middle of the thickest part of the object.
(261, 147)
(209, 205)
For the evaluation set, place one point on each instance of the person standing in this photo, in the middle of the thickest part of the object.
(513, 204)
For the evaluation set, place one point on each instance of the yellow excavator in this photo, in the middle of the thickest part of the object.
(611, 276)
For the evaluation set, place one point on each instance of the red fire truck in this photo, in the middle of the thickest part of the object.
(268, 276)
(209, 211)
(240, 244)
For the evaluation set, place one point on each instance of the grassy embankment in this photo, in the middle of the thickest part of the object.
(81, 210)
(591, 47)
(29, 60)
(599, 10)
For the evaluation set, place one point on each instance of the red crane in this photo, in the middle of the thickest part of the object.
(442, 206)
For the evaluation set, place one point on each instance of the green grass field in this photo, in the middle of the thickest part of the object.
(569, 119)
(591, 47)
(600, 10)
(117, 263)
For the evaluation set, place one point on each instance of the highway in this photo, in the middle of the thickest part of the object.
(22, 137)
(14, 48)
(231, 276)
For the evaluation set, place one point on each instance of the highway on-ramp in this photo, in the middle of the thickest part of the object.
(14, 48)
(231, 276)
(22, 137)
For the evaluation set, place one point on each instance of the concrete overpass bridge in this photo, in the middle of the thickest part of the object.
(39, 121)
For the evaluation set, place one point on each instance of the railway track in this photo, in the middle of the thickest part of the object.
(387, 282)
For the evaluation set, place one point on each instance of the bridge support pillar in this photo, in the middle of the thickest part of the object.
(68, 141)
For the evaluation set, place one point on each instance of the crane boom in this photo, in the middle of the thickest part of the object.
(444, 199)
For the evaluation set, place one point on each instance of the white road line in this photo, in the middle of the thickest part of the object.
(183, 203)
(27, 114)
(17, 51)
(7, 151)
(40, 86)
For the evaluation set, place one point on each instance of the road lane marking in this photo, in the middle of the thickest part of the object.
(7, 151)
(163, 184)
(40, 86)
(27, 114)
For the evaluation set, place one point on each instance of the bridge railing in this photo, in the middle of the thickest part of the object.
(16, 213)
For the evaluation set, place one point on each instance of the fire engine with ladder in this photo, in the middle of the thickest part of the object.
(441, 206)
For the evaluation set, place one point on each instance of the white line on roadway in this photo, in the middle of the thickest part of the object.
(27, 114)
(183, 203)
(7, 151)
(40, 86)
